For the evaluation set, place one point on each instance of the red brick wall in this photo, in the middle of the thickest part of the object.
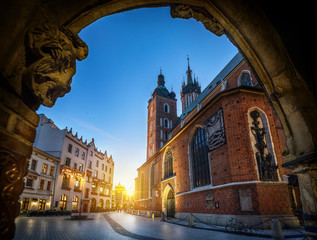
(231, 163)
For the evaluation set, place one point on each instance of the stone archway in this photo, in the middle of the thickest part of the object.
(31, 74)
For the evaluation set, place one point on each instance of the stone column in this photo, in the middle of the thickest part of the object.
(306, 170)
(17, 132)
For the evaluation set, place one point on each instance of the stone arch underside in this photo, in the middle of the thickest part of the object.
(242, 21)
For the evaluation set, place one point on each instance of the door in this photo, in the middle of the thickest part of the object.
(170, 204)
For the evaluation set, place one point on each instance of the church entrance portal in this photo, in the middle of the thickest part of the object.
(170, 204)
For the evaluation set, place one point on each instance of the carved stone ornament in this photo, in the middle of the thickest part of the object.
(266, 164)
(186, 12)
(12, 186)
(215, 131)
(51, 53)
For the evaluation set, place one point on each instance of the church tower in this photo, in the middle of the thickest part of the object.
(162, 116)
(190, 90)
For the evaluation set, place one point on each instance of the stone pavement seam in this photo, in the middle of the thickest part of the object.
(122, 231)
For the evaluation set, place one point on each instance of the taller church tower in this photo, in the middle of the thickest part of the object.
(190, 90)
(162, 116)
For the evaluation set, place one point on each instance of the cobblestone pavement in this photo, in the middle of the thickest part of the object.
(62, 228)
(112, 226)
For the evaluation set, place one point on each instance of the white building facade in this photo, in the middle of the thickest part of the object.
(39, 187)
(84, 175)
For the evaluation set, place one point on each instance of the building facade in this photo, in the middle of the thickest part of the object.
(39, 187)
(223, 156)
(121, 199)
(84, 175)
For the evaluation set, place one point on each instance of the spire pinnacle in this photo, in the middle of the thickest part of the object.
(189, 73)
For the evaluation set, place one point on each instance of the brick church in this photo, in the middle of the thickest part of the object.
(221, 158)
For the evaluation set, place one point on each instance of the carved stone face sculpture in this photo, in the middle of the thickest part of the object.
(51, 54)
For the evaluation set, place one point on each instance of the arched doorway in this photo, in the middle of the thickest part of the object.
(170, 208)
(168, 201)
(244, 22)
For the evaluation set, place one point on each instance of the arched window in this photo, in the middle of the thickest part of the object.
(151, 178)
(245, 78)
(262, 146)
(168, 164)
(63, 202)
(75, 203)
(199, 159)
(166, 123)
(166, 108)
(142, 186)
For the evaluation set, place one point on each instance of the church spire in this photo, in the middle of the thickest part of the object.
(189, 73)
(191, 89)
(160, 79)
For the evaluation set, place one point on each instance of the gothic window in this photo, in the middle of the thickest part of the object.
(91, 153)
(199, 159)
(166, 123)
(165, 135)
(89, 164)
(83, 155)
(142, 186)
(245, 78)
(166, 108)
(262, 146)
(168, 164)
(75, 165)
(151, 178)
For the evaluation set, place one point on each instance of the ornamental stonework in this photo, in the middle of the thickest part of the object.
(51, 53)
(215, 131)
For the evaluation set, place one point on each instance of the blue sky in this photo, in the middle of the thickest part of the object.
(111, 88)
